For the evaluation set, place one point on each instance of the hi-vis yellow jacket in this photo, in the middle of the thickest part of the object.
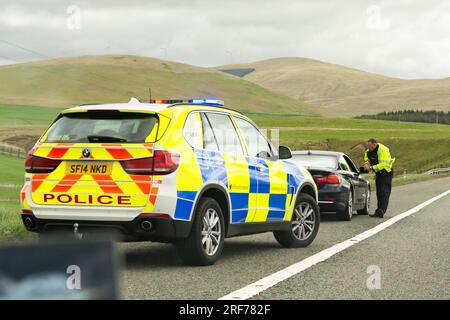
(385, 161)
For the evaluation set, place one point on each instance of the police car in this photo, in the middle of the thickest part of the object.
(189, 172)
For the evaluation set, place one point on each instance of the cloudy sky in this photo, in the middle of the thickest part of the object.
(401, 38)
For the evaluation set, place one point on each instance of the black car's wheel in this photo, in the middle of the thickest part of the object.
(205, 242)
(305, 223)
(366, 208)
(347, 213)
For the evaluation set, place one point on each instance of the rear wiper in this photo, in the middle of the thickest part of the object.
(105, 139)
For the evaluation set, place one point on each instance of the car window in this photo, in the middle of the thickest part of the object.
(103, 126)
(315, 161)
(209, 141)
(225, 133)
(343, 164)
(257, 144)
(193, 130)
(350, 164)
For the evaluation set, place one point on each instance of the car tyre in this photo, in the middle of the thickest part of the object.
(365, 210)
(205, 242)
(347, 213)
(305, 222)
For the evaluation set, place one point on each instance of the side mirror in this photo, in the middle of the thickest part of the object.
(284, 152)
(363, 170)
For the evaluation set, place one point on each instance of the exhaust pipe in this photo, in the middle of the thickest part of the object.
(146, 225)
(29, 223)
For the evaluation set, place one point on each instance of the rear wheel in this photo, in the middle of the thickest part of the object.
(366, 208)
(305, 223)
(205, 242)
(347, 213)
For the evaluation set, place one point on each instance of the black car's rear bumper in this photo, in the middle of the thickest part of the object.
(333, 201)
(162, 229)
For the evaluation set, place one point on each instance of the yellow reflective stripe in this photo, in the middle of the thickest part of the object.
(278, 177)
(189, 175)
(289, 207)
(238, 173)
(262, 209)
(252, 203)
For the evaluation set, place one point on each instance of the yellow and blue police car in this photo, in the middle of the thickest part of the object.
(191, 172)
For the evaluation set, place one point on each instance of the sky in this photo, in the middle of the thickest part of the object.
(402, 38)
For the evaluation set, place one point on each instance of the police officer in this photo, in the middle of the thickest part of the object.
(378, 159)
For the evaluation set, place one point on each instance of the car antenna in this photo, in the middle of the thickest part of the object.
(150, 93)
(309, 152)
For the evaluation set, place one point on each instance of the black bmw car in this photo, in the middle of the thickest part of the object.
(342, 189)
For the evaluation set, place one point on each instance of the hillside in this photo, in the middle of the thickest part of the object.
(102, 79)
(340, 91)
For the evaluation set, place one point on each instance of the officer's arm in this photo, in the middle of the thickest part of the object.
(383, 160)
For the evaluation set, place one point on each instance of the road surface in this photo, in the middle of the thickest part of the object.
(411, 259)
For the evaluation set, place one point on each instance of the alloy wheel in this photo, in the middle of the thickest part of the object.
(211, 232)
(304, 221)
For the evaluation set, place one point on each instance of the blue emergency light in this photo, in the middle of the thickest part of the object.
(209, 102)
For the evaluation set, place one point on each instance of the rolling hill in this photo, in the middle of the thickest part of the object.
(340, 91)
(102, 79)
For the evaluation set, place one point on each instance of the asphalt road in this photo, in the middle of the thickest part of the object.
(412, 256)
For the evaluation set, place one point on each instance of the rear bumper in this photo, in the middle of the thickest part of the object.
(162, 229)
(333, 201)
(330, 206)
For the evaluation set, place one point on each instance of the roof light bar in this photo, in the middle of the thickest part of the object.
(200, 101)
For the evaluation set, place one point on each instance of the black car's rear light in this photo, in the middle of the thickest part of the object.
(162, 162)
(34, 164)
(329, 179)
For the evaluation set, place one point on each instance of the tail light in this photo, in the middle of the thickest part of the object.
(163, 162)
(34, 164)
(329, 179)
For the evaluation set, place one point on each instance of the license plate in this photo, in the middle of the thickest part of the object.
(89, 168)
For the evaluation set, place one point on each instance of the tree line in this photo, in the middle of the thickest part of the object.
(432, 116)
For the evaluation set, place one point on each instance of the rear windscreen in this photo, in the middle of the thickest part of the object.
(316, 161)
(103, 127)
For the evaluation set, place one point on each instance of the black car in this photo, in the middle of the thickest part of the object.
(342, 188)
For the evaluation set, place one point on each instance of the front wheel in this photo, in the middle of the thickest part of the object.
(205, 242)
(305, 223)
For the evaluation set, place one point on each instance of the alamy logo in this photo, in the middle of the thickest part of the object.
(74, 17)
(73, 282)
(373, 282)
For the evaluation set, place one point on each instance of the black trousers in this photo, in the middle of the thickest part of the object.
(383, 181)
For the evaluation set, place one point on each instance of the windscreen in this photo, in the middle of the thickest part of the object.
(315, 160)
(103, 127)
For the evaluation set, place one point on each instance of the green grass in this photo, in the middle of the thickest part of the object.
(416, 146)
(278, 120)
(11, 226)
(19, 115)
(12, 170)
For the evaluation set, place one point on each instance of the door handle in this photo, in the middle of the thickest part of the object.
(261, 168)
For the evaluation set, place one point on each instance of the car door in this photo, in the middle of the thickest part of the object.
(359, 183)
(269, 178)
(348, 175)
(234, 163)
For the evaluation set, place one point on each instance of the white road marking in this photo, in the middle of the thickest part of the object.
(271, 280)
